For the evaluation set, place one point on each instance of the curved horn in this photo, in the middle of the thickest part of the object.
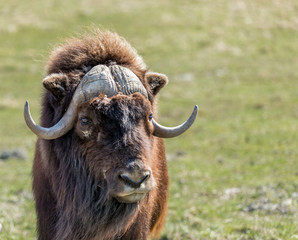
(58, 130)
(169, 132)
(97, 80)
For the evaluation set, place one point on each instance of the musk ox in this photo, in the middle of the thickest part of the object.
(100, 169)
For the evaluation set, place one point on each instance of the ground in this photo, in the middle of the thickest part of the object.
(234, 174)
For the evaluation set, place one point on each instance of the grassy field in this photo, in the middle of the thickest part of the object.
(234, 175)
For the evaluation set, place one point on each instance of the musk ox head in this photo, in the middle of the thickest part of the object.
(111, 115)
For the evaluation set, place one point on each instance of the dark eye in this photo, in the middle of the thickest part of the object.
(85, 121)
(150, 116)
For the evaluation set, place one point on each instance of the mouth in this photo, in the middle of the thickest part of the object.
(130, 198)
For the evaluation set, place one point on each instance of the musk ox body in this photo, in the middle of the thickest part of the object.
(100, 169)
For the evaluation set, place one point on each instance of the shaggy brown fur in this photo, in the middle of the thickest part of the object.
(73, 175)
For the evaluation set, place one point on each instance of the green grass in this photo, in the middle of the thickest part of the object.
(234, 175)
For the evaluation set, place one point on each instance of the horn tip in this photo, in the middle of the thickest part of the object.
(26, 107)
(196, 109)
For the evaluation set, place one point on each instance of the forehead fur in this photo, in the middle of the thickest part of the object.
(102, 47)
(122, 108)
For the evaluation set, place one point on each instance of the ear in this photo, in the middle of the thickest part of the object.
(57, 84)
(156, 81)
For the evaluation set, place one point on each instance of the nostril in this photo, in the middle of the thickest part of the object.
(124, 178)
(128, 181)
(144, 178)
(132, 180)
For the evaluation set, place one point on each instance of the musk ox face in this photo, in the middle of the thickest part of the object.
(116, 140)
(116, 129)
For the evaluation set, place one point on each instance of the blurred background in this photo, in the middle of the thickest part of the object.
(234, 174)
